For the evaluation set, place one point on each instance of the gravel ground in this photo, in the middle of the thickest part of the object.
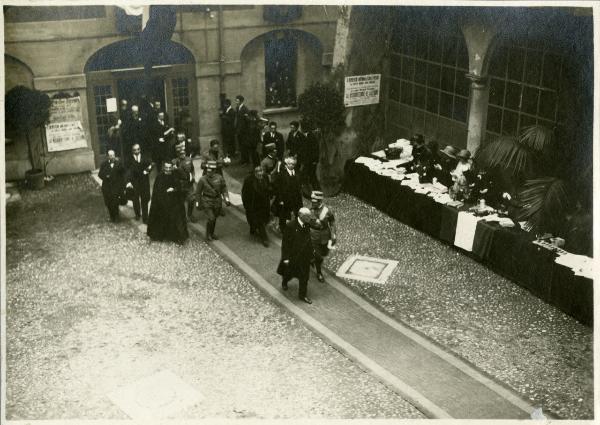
(543, 354)
(93, 306)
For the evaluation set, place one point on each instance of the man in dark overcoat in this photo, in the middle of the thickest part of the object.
(183, 169)
(228, 128)
(295, 140)
(308, 158)
(273, 136)
(112, 175)
(288, 193)
(297, 253)
(137, 181)
(241, 125)
(256, 197)
(166, 220)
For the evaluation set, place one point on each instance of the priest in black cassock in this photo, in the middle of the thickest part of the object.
(167, 221)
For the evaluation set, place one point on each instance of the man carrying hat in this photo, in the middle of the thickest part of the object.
(296, 253)
(211, 188)
(322, 231)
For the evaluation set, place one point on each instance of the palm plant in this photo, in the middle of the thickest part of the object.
(543, 201)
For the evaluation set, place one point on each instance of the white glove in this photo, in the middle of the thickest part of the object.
(170, 189)
(129, 185)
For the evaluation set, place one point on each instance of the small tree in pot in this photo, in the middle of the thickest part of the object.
(27, 109)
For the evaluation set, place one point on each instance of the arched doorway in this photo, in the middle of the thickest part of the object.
(116, 71)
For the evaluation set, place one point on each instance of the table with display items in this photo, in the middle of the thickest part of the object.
(509, 251)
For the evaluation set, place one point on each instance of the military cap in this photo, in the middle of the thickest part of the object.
(317, 195)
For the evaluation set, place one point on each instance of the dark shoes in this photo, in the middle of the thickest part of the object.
(284, 286)
(320, 277)
(265, 243)
(214, 237)
(306, 300)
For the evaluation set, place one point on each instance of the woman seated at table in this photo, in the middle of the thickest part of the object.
(444, 166)
(464, 164)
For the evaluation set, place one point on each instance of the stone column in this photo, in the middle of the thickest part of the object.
(480, 93)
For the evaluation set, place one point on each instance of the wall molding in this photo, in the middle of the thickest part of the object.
(60, 82)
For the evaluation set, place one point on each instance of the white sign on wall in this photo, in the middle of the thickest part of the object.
(65, 130)
(362, 90)
(111, 104)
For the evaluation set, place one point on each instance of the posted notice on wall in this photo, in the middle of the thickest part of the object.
(65, 130)
(362, 90)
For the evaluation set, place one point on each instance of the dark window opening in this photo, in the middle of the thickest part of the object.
(281, 51)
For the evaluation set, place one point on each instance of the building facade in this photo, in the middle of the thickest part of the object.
(466, 75)
(269, 54)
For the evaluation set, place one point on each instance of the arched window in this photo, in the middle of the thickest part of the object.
(281, 53)
(428, 91)
(525, 81)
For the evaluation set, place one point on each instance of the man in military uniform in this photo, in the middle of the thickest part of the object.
(210, 190)
(183, 167)
(270, 162)
(213, 154)
(322, 231)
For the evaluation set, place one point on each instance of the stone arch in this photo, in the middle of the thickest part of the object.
(128, 54)
(16, 73)
(309, 37)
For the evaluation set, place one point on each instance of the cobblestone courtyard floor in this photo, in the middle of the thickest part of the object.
(94, 306)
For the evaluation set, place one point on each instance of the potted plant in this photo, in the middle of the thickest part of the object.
(543, 200)
(27, 109)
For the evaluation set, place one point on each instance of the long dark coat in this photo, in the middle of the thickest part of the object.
(288, 190)
(135, 175)
(277, 139)
(256, 199)
(167, 219)
(295, 247)
(113, 182)
(294, 142)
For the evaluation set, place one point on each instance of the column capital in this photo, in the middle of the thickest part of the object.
(478, 82)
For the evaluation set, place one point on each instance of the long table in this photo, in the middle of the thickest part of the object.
(508, 251)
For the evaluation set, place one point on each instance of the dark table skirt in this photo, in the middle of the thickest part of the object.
(508, 251)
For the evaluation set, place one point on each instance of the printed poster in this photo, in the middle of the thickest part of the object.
(362, 90)
(65, 130)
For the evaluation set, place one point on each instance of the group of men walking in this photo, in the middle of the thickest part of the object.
(273, 188)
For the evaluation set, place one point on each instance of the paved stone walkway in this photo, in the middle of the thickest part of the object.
(438, 383)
